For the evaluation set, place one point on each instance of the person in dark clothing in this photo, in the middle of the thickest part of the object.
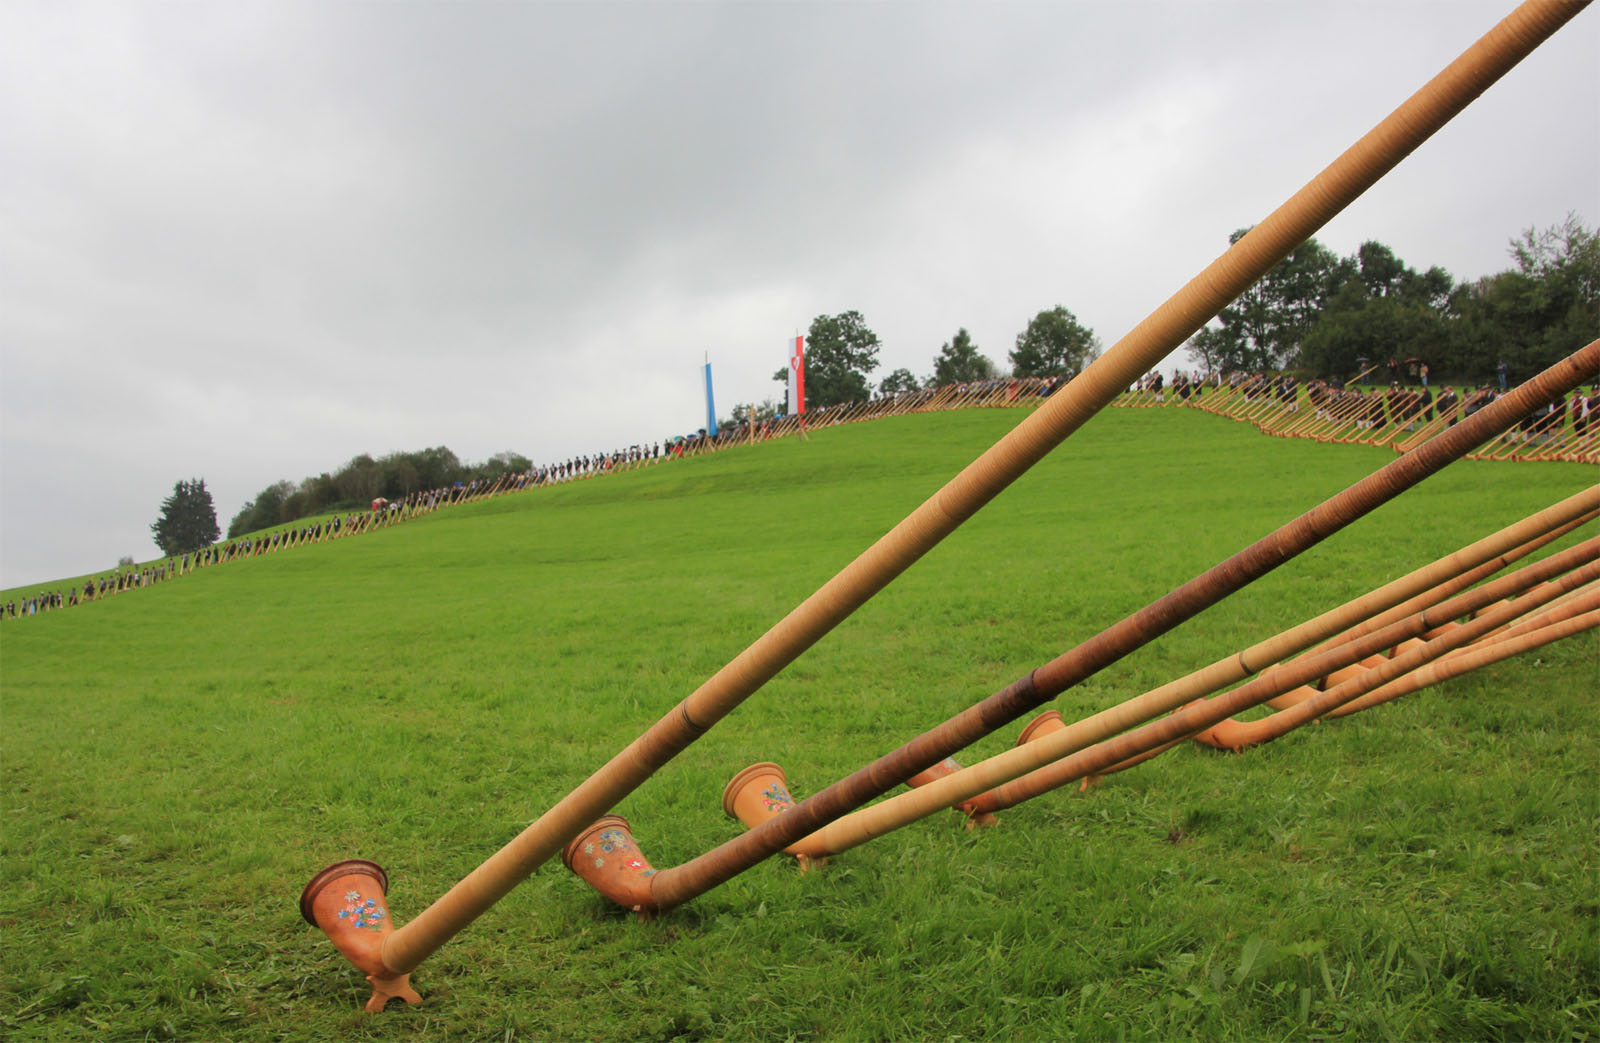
(1446, 404)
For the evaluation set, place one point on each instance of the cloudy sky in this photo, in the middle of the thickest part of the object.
(249, 241)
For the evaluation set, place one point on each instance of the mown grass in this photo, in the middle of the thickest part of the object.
(178, 761)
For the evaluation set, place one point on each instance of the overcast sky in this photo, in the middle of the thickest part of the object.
(247, 242)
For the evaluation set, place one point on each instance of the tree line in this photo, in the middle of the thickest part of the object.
(364, 479)
(842, 349)
(1320, 315)
(1314, 314)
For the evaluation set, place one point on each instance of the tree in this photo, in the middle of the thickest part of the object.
(1262, 328)
(320, 493)
(507, 462)
(1385, 275)
(840, 352)
(437, 467)
(1383, 309)
(959, 362)
(1537, 314)
(751, 413)
(1217, 351)
(400, 476)
(898, 381)
(1055, 344)
(263, 512)
(360, 479)
(1355, 326)
(188, 519)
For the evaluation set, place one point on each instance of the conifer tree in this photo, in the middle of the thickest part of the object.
(188, 519)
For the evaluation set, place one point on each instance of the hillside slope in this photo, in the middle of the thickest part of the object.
(177, 764)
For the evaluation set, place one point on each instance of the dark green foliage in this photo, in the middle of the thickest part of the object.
(188, 519)
(898, 381)
(262, 512)
(1536, 314)
(750, 412)
(361, 479)
(1262, 328)
(840, 351)
(1055, 344)
(507, 462)
(358, 482)
(959, 361)
(1383, 309)
(1320, 314)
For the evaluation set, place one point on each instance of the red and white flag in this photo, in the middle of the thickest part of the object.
(797, 376)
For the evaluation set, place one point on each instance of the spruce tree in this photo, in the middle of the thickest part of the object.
(188, 519)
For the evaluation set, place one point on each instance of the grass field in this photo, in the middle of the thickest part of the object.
(179, 761)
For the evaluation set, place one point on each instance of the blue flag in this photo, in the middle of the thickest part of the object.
(711, 406)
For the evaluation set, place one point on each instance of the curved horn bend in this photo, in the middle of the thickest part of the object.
(609, 861)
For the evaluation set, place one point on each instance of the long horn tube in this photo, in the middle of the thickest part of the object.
(1285, 677)
(1062, 413)
(1562, 522)
(1072, 762)
(1233, 734)
(1419, 589)
(1122, 751)
(676, 885)
(1351, 411)
(1522, 627)
(1288, 641)
(1563, 608)
(1108, 375)
(1474, 657)
(1321, 704)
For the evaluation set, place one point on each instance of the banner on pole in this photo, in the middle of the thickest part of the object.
(711, 406)
(797, 376)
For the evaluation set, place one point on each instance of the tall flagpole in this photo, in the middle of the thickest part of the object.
(797, 381)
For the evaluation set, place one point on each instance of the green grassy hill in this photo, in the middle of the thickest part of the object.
(177, 762)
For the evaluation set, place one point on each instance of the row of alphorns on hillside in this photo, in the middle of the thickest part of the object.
(1397, 417)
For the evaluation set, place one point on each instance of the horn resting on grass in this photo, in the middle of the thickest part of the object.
(349, 901)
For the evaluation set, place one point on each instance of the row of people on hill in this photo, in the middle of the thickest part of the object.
(1398, 398)
(1405, 405)
(1185, 384)
(1575, 416)
(122, 580)
(93, 588)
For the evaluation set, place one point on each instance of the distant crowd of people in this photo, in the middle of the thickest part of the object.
(1408, 403)
(129, 577)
